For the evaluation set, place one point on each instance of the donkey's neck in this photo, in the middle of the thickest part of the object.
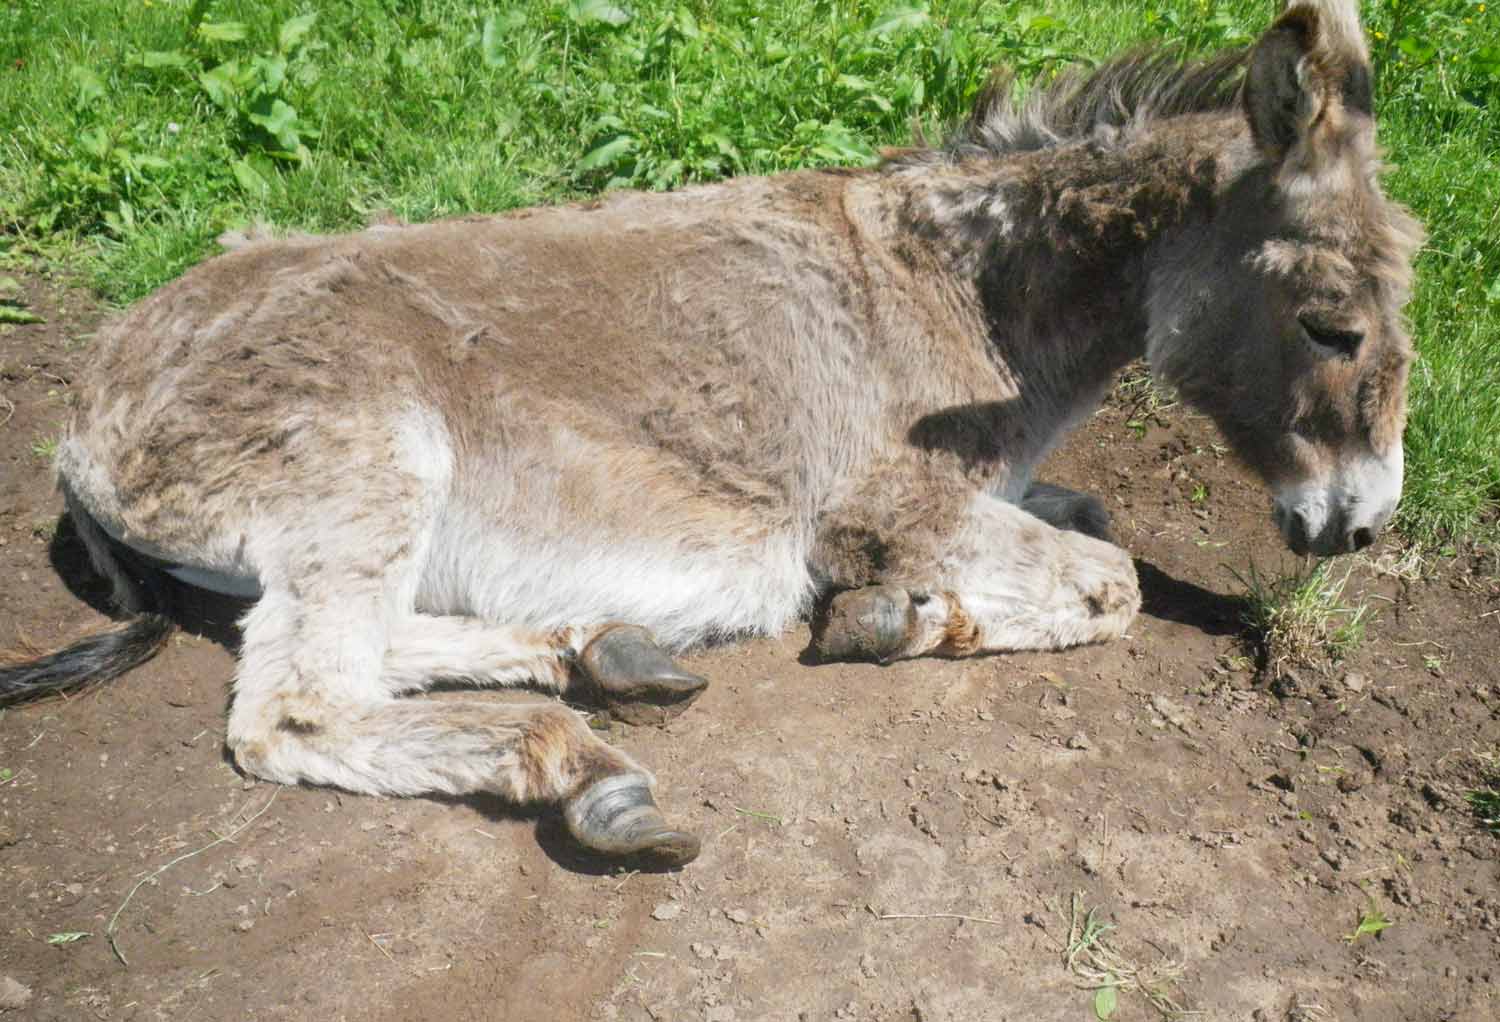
(1054, 247)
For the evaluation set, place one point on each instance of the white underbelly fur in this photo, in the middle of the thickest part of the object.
(682, 596)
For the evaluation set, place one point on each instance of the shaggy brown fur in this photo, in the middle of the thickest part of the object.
(465, 448)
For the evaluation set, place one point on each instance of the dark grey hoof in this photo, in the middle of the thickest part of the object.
(618, 818)
(873, 623)
(635, 678)
(1065, 509)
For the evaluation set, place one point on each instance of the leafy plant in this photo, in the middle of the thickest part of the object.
(1106, 1000)
(1202, 26)
(1436, 55)
(1089, 954)
(19, 316)
(105, 172)
(13, 304)
(869, 76)
(257, 90)
(1485, 799)
(1372, 922)
(44, 448)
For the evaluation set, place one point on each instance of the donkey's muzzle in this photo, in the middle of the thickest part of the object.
(1343, 511)
(1343, 532)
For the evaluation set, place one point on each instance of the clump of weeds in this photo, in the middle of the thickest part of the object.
(1144, 398)
(1484, 799)
(1300, 618)
(44, 448)
(1090, 954)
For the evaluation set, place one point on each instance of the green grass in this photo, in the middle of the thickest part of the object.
(1300, 617)
(1486, 805)
(1484, 800)
(44, 448)
(133, 131)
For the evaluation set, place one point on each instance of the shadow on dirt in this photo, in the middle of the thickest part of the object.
(1186, 603)
(554, 840)
(197, 611)
(552, 837)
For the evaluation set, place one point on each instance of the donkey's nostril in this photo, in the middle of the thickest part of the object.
(1297, 529)
(1361, 538)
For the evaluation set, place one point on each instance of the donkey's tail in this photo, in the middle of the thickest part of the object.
(95, 658)
(138, 592)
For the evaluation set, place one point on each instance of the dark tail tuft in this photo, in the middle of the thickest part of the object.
(96, 658)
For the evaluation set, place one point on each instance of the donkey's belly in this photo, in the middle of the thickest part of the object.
(551, 579)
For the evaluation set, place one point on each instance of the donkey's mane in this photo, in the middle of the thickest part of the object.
(1128, 91)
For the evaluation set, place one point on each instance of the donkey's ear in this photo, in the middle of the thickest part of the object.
(1308, 82)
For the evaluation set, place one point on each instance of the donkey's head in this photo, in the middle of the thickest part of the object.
(1282, 317)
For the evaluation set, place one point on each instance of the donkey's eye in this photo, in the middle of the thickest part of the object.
(1345, 342)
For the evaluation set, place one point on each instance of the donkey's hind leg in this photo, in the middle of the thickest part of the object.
(313, 705)
(618, 665)
(1006, 581)
(424, 649)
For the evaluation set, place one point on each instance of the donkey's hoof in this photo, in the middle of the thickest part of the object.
(638, 682)
(1067, 509)
(617, 817)
(873, 623)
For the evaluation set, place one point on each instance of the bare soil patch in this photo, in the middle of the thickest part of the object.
(898, 843)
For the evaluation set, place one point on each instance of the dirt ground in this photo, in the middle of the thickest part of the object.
(899, 843)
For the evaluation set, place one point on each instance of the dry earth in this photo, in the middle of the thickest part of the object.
(899, 843)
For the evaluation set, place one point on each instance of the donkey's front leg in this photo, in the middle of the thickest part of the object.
(1004, 580)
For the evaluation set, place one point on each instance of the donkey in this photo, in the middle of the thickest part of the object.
(552, 447)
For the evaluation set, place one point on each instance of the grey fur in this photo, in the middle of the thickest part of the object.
(464, 449)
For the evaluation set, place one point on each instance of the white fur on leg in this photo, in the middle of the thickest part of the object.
(1012, 582)
(681, 593)
(428, 648)
(294, 726)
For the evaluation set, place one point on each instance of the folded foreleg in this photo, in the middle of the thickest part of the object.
(1001, 580)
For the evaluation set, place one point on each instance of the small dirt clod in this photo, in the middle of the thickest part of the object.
(14, 995)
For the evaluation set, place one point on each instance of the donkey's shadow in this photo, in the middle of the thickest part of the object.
(551, 836)
(1173, 599)
(199, 612)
